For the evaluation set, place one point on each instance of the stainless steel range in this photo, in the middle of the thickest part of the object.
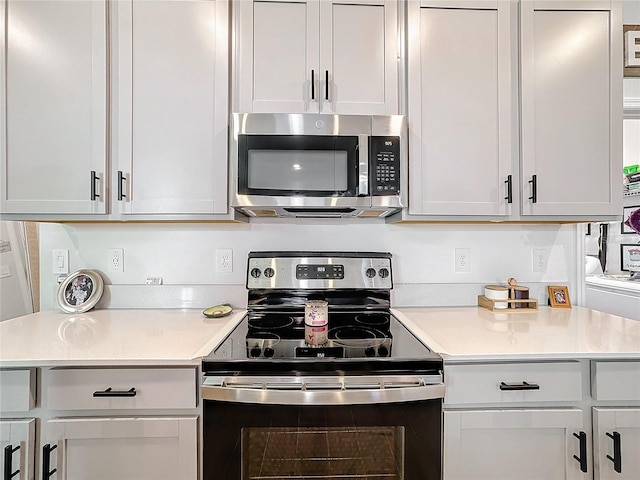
(358, 388)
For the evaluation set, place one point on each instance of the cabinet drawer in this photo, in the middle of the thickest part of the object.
(18, 390)
(120, 388)
(513, 383)
(615, 380)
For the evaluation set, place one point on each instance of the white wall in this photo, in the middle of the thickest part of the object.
(183, 255)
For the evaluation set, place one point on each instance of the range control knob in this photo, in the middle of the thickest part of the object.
(383, 351)
(371, 272)
(255, 272)
(269, 272)
(383, 272)
(269, 352)
(369, 352)
(255, 352)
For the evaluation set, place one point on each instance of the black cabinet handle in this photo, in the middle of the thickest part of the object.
(326, 84)
(509, 183)
(8, 462)
(617, 454)
(109, 392)
(519, 386)
(534, 189)
(582, 459)
(121, 185)
(94, 190)
(46, 461)
(313, 85)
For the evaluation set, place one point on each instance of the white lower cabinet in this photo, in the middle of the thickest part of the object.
(123, 448)
(98, 423)
(516, 421)
(17, 441)
(616, 443)
(524, 444)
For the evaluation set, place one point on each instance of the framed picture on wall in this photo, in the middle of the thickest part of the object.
(626, 211)
(629, 256)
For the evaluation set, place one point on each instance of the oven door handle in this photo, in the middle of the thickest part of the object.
(321, 397)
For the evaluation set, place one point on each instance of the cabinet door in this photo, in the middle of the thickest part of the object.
(123, 448)
(277, 56)
(172, 107)
(461, 107)
(512, 444)
(53, 57)
(571, 107)
(359, 57)
(616, 443)
(18, 437)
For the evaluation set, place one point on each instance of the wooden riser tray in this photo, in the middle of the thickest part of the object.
(531, 304)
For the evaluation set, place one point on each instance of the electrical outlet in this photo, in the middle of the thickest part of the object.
(463, 260)
(224, 260)
(540, 258)
(116, 260)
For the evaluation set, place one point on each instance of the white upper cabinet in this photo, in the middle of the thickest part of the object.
(514, 109)
(571, 119)
(53, 127)
(461, 107)
(171, 108)
(317, 56)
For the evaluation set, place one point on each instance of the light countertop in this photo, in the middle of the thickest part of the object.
(112, 337)
(475, 333)
(619, 282)
(183, 337)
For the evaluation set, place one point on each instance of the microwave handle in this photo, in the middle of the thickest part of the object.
(363, 164)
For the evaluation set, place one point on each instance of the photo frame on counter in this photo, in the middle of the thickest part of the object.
(80, 291)
(629, 256)
(626, 212)
(559, 296)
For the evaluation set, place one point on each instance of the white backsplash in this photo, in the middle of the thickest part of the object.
(183, 255)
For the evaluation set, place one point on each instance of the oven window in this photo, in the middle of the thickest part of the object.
(283, 165)
(323, 453)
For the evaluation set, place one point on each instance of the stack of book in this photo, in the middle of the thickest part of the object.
(631, 180)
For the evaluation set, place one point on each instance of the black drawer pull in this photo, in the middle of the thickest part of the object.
(582, 459)
(519, 386)
(617, 453)
(46, 461)
(109, 392)
(8, 462)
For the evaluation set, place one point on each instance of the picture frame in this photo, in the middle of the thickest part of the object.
(80, 291)
(629, 257)
(626, 212)
(559, 296)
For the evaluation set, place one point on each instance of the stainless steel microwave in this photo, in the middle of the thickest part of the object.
(315, 165)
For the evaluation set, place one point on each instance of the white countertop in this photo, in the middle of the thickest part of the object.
(619, 282)
(112, 337)
(183, 337)
(475, 333)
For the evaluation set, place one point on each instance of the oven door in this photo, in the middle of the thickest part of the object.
(317, 433)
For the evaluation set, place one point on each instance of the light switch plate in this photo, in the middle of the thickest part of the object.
(60, 261)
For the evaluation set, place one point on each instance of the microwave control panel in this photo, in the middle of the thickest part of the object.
(385, 165)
